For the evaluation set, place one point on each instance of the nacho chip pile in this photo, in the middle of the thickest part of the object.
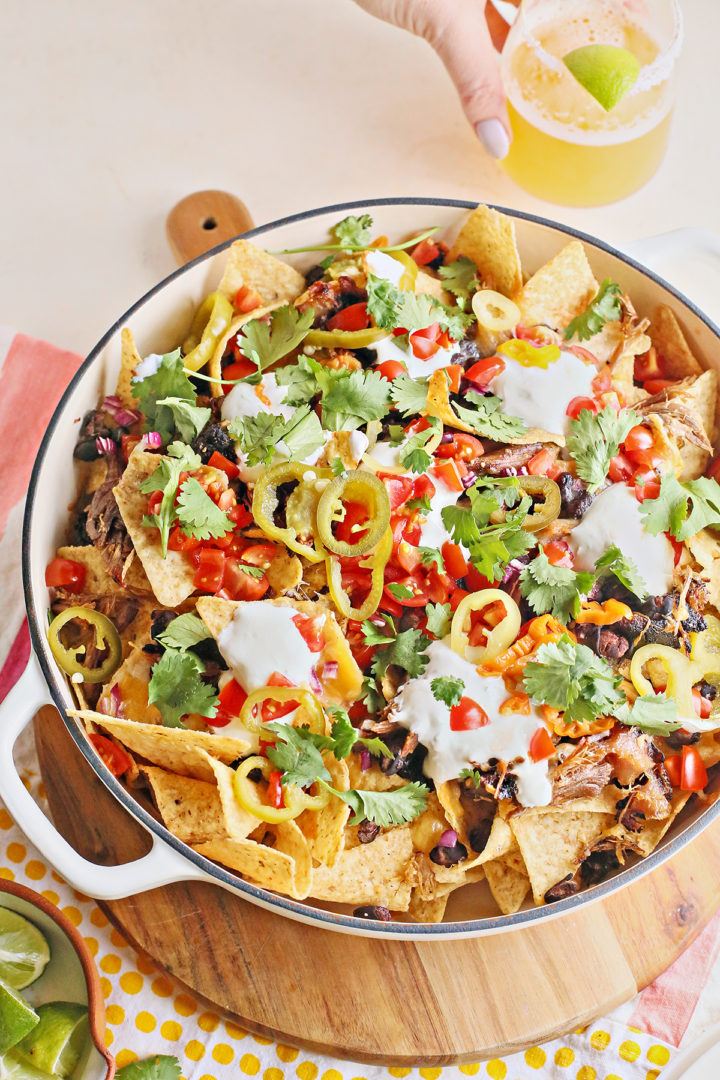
(400, 575)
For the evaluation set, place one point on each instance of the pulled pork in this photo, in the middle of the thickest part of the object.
(584, 773)
(105, 525)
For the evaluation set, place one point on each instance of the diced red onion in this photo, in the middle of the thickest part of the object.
(365, 760)
(446, 438)
(105, 447)
(315, 684)
(469, 479)
(119, 412)
(448, 839)
(512, 571)
(112, 706)
(151, 440)
(330, 670)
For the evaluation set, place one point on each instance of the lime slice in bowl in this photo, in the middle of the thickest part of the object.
(14, 1068)
(56, 1043)
(24, 952)
(606, 71)
(17, 1019)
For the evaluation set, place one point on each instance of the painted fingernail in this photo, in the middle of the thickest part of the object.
(494, 137)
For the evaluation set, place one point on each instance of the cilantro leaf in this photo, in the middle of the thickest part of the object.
(338, 466)
(159, 1067)
(296, 755)
(169, 381)
(376, 747)
(392, 308)
(176, 688)
(303, 434)
(422, 502)
(300, 381)
(413, 456)
(189, 419)
(460, 277)
(382, 301)
(198, 515)
(386, 808)
(430, 556)
(491, 546)
(594, 440)
(265, 343)
(472, 774)
(251, 571)
(185, 456)
(409, 395)
(353, 233)
(400, 592)
(372, 699)
(571, 677)
(614, 562)
(375, 635)
(683, 509)
(258, 436)
(604, 307)
(448, 689)
(488, 419)
(460, 523)
(184, 632)
(439, 617)
(352, 399)
(342, 732)
(165, 478)
(654, 713)
(554, 589)
(406, 651)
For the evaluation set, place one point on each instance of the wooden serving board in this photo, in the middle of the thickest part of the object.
(385, 1002)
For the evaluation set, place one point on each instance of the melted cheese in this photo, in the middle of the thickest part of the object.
(615, 519)
(507, 737)
(540, 396)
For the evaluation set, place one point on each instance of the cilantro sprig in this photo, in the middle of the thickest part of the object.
(491, 545)
(556, 589)
(353, 234)
(654, 713)
(258, 436)
(594, 440)
(392, 308)
(461, 277)
(409, 396)
(612, 561)
(682, 508)
(448, 689)
(488, 419)
(176, 688)
(413, 456)
(165, 396)
(195, 511)
(264, 343)
(569, 676)
(184, 632)
(159, 1067)
(604, 307)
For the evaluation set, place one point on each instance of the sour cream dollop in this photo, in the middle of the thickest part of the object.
(540, 396)
(615, 519)
(506, 737)
(245, 400)
(261, 639)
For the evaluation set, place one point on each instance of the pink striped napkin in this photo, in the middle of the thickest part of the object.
(677, 1007)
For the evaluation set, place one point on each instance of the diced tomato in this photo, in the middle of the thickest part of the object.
(390, 605)
(311, 630)
(649, 366)
(231, 699)
(541, 745)
(423, 487)
(703, 705)
(114, 757)
(154, 501)
(356, 513)
(438, 586)
(483, 371)
(219, 461)
(655, 386)
(128, 444)
(240, 369)
(713, 469)
(399, 488)
(577, 405)
(415, 426)
(362, 652)
(354, 317)
(462, 448)
(237, 584)
(425, 252)
(65, 574)
(407, 556)
(260, 554)
(416, 583)
(476, 582)
(478, 634)
(676, 546)
(425, 343)
(584, 354)
(240, 515)
(558, 553)
(538, 335)
(602, 381)
(454, 373)
(455, 562)
(274, 790)
(209, 574)
(673, 767)
(447, 470)
(694, 774)
(246, 299)
(456, 596)
(647, 484)
(539, 463)
(638, 438)
(621, 468)
(178, 541)
(390, 369)
(467, 716)
(273, 710)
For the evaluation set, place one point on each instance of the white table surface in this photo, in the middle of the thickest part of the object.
(112, 112)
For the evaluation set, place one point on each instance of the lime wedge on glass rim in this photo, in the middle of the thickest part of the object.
(606, 71)
(24, 952)
(17, 1019)
(56, 1043)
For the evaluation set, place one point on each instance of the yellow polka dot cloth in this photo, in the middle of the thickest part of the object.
(147, 1013)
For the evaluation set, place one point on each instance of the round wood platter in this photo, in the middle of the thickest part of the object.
(385, 1002)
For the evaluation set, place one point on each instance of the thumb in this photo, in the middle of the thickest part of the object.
(458, 31)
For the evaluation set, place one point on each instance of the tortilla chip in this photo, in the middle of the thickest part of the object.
(508, 885)
(284, 868)
(284, 572)
(214, 365)
(427, 911)
(559, 290)
(97, 580)
(237, 823)
(132, 679)
(374, 873)
(324, 829)
(488, 238)
(372, 779)
(429, 285)
(671, 344)
(275, 281)
(438, 404)
(172, 578)
(175, 749)
(705, 549)
(129, 360)
(554, 844)
(190, 809)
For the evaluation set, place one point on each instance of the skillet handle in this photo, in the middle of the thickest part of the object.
(160, 866)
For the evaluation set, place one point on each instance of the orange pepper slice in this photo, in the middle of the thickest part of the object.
(603, 614)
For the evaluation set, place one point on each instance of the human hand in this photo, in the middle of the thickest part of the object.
(463, 33)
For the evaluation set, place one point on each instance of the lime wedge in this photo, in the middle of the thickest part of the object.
(14, 1068)
(606, 71)
(24, 952)
(57, 1042)
(17, 1019)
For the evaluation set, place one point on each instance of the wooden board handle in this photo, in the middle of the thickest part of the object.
(202, 220)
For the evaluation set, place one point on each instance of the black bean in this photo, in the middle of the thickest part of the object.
(86, 450)
(373, 911)
(367, 832)
(448, 856)
(566, 887)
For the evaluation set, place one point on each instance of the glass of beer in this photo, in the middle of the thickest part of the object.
(567, 147)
